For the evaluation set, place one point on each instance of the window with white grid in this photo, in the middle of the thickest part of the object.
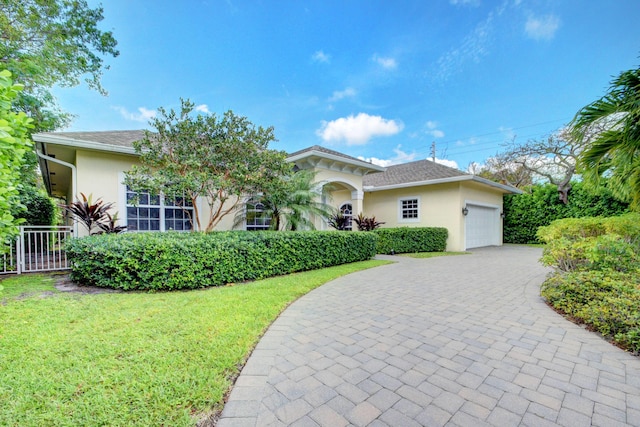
(409, 209)
(152, 212)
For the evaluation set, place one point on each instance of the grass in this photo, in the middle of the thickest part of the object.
(26, 285)
(432, 254)
(132, 359)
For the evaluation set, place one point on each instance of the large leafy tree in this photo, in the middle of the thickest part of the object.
(14, 143)
(45, 43)
(291, 203)
(217, 159)
(610, 129)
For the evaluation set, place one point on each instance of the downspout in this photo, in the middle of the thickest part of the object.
(74, 179)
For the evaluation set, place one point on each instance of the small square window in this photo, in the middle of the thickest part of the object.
(409, 210)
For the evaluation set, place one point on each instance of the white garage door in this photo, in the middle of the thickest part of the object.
(482, 226)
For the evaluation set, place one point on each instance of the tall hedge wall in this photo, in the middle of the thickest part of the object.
(411, 239)
(524, 213)
(168, 261)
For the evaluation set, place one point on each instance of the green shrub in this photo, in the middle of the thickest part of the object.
(627, 226)
(524, 213)
(593, 243)
(612, 252)
(169, 261)
(411, 239)
(608, 302)
(36, 207)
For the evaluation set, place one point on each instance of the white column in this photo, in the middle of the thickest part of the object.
(357, 197)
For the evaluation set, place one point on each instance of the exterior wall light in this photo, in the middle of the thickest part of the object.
(465, 211)
(502, 215)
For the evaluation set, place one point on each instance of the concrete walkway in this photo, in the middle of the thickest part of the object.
(449, 341)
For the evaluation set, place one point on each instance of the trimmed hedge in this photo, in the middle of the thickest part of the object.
(524, 213)
(170, 261)
(411, 239)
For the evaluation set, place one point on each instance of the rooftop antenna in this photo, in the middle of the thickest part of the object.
(433, 151)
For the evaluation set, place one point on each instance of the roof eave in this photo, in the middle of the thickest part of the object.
(78, 143)
(507, 188)
(460, 178)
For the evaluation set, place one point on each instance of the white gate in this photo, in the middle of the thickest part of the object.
(37, 248)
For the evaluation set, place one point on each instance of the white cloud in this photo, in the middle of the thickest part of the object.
(542, 28)
(357, 130)
(473, 47)
(203, 108)
(473, 3)
(320, 56)
(450, 163)
(432, 129)
(400, 157)
(385, 62)
(341, 94)
(143, 114)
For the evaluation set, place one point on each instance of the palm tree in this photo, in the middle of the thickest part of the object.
(610, 128)
(291, 204)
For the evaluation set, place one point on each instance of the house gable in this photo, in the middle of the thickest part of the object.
(318, 157)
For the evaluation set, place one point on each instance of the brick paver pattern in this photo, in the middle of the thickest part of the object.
(449, 341)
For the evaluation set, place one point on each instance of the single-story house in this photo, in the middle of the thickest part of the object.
(415, 194)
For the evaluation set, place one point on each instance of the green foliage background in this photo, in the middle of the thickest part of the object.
(524, 213)
(37, 208)
(14, 143)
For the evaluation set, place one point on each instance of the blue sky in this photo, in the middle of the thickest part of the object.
(379, 80)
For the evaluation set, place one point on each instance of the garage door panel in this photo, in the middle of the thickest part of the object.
(482, 226)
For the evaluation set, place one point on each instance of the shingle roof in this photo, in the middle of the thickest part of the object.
(120, 138)
(418, 171)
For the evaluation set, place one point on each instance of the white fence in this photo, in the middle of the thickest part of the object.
(37, 248)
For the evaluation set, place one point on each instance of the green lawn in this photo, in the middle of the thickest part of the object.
(132, 359)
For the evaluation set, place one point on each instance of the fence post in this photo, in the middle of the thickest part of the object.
(20, 251)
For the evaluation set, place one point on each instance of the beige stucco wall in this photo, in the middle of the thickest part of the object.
(439, 206)
(339, 196)
(349, 180)
(345, 187)
(472, 191)
(101, 175)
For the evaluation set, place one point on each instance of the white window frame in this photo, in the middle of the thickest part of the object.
(255, 227)
(402, 209)
(343, 205)
(163, 208)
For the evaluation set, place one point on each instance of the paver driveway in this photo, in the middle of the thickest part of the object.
(461, 340)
